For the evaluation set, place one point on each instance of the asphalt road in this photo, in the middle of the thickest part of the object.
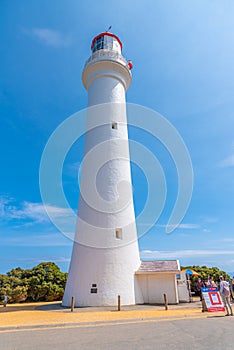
(212, 333)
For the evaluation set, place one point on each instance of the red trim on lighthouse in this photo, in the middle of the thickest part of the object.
(130, 65)
(108, 34)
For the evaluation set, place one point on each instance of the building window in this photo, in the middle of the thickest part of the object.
(118, 233)
(114, 125)
(99, 44)
(93, 290)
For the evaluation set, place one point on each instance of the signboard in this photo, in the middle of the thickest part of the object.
(212, 299)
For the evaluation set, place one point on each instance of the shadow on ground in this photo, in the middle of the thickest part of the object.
(32, 306)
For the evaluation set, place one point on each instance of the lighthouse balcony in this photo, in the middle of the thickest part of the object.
(109, 55)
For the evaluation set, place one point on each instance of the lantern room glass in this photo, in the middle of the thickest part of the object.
(106, 42)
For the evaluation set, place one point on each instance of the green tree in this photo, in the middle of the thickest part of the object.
(43, 282)
(18, 294)
(204, 272)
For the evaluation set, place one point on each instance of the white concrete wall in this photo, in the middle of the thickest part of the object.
(183, 288)
(106, 201)
(111, 269)
(153, 286)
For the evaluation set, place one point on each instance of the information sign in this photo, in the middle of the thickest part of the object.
(212, 299)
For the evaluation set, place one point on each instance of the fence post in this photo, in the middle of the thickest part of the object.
(118, 302)
(165, 301)
(72, 304)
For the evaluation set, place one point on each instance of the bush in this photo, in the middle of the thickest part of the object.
(44, 282)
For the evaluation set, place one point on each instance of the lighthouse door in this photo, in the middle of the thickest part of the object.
(143, 281)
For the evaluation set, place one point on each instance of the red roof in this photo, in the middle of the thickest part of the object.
(103, 34)
(159, 266)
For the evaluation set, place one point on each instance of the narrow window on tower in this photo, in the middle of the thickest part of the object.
(93, 289)
(118, 233)
(99, 44)
(114, 125)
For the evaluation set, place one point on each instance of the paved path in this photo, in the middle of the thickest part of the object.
(206, 333)
(44, 314)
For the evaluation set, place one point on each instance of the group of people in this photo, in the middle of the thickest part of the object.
(226, 290)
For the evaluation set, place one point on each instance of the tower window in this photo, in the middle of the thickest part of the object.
(118, 233)
(99, 44)
(93, 290)
(114, 125)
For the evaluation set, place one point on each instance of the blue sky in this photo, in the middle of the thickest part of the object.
(183, 56)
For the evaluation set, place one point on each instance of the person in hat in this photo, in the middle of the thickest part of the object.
(225, 292)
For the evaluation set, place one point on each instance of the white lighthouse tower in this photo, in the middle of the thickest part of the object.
(105, 254)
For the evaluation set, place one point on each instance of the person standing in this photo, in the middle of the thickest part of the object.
(199, 286)
(225, 292)
(232, 288)
(209, 282)
(5, 300)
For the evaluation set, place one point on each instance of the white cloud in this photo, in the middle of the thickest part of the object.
(36, 240)
(156, 254)
(35, 260)
(184, 234)
(229, 240)
(182, 226)
(3, 203)
(73, 169)
(187, 226)
(227, 162)
(51, 37)
(28, 211)
(209, 219)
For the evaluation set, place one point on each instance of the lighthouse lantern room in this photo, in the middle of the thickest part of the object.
(106, 41)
